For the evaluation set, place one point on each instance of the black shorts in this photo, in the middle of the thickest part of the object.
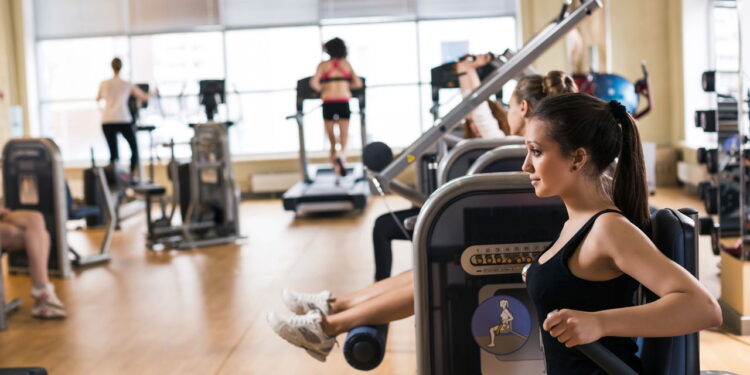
(336, 111)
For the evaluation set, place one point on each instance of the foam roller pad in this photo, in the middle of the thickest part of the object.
(364, 347)
(23, 371)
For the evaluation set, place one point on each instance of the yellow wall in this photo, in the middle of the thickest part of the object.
(640, 30)
(8, 81)
(14, 82)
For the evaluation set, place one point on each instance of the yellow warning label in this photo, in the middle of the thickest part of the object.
(410, 158)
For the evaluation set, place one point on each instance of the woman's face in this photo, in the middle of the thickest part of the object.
(516, 116)
(549, 170)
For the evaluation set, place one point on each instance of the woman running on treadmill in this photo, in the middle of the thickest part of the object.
(322, 316)
(334, 79)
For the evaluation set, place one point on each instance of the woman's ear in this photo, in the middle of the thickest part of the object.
(580, 158)
(525, 108)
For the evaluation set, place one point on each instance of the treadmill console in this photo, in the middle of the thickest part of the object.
(500, 259)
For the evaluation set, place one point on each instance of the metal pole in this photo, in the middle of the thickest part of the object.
(536, 46)
(302, 150)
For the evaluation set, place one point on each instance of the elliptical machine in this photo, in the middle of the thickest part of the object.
(204, 189)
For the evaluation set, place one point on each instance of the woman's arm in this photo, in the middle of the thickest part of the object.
(315, 79)
(138, 93)
(485, 123)
(684, 306)
(99, 94)
(356, 81)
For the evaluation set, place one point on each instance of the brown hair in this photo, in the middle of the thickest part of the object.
(605, 131)
(116, 64)
(533, 88)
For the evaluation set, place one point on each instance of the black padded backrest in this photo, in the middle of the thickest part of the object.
(674, 234)
(33, 179)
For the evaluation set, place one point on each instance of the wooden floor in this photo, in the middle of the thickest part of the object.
(202, 311)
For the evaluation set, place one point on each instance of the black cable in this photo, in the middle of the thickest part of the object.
(379, 188)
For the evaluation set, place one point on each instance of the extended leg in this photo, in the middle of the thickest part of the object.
(361, 296)
(393, 305)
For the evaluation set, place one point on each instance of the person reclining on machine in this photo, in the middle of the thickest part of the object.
(392, 298)
(334, 79)
(488, 120)
(528, 92)
(25, 230)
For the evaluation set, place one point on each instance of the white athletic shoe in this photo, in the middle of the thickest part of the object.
(46, 303)
(301, 303)
(303, 331)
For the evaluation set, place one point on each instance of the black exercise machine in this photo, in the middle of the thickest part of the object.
(464, 266)
(205, 192)
(384, 168)
(33, 179)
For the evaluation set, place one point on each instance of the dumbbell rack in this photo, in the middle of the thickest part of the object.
(721, 193)
(727, 194)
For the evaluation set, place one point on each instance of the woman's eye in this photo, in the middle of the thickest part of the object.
(535, 152)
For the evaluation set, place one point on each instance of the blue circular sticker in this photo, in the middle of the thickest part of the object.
(501, 325)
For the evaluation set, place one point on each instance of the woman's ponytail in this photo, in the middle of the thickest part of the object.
(629, 188)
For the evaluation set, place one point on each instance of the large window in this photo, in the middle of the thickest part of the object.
(69, 74)
(261, 68)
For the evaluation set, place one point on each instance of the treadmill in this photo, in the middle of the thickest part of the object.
(319, 191)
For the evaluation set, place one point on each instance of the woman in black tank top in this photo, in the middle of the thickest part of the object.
(582, 285)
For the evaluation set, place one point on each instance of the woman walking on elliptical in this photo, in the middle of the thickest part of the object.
(116, 116)
(334, 79)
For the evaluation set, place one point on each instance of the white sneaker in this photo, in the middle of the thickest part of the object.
(301, 303)
(46, 303)
(303, 331)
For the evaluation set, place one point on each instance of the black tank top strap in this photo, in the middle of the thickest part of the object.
(572, 245)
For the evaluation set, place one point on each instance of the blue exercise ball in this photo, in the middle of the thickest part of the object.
(613, 87)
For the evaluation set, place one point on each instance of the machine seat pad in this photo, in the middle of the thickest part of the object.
(150, 190)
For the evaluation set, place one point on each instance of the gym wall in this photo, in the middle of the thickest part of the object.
(17, 78)
(8, 85)
(640, 30)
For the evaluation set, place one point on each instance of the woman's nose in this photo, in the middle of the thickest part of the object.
(527, 167)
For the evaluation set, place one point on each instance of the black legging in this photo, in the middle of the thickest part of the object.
(128, 131)
(385, 231)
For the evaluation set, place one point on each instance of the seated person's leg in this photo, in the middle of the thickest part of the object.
(386, 230)
(385, 301)
(25, 230)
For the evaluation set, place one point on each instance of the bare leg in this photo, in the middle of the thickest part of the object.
(33, 237)
(492, 337)
(350, 300)
(343, 137)
(387, 307)
(331, 139)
